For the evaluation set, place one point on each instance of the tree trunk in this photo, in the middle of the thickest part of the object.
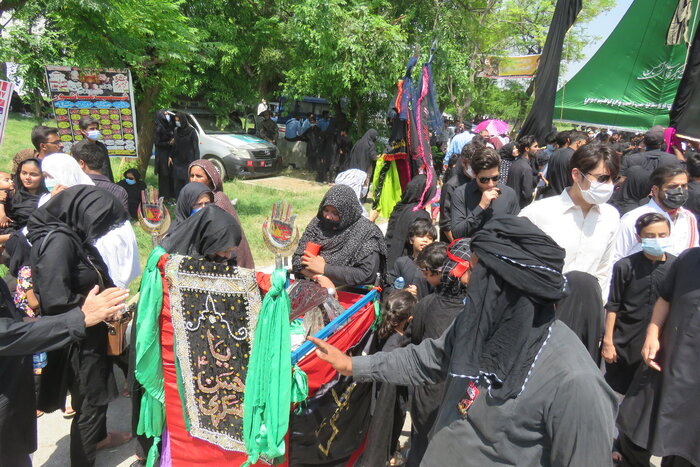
(37, 104)
(146, 125)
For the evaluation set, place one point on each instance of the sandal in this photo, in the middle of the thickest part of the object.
(114, 439)
(39, 413)
(68, 412)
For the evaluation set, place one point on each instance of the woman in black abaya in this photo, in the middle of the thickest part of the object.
(193, 197)
(185, 151)
(163, 142)
(352, 248)
(582, 310)
(205, 234)
(403, 215)
(65, 267)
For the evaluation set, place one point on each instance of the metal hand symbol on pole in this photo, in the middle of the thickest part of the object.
(279, 231)
(154, 217)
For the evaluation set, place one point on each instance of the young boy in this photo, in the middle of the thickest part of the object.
(633, 292)
(421, 234)
(7, 187)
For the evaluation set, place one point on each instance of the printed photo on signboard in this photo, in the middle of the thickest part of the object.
(104, 94)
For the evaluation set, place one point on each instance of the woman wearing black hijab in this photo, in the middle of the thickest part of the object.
(519, 385)
(211, 233)
(582, 310)
(163, 141)
(29, 186)
(363, 153)
(193, 197)
(404, 214)
(634, 190)
(133, 185)
(185, 151)
(352, 248)
(508, 153)
(65, 267)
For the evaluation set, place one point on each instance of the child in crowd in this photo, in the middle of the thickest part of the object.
(7, 187)
(421, 233)
(449, 269)
(391, 401)
(634, 290)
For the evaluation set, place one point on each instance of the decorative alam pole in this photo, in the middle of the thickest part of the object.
(279, 233)
(154, 217)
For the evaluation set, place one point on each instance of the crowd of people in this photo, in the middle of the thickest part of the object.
(546, 318)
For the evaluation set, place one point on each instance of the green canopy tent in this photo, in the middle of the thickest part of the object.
(631, 81)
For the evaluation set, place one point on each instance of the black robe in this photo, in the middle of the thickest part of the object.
(559, 171)
(582, 311)
(660, 412)
(18, 341)
(185, 151)
(134, 195)
(634, 190)
(522, 180)
(633, 291)
(162, 137)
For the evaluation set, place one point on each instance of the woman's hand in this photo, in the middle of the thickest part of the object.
(608, 352)
(103, 306)
(315, 264)
(649, 350)
(338, 360)
(412, 289)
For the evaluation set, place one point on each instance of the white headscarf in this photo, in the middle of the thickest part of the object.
(65, 170)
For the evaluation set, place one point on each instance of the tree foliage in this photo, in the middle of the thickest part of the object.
(229, 53)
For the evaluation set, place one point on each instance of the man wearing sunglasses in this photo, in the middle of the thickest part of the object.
(46, 141)
(579, 219)
(482, 198)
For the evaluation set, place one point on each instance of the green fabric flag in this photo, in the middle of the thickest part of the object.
(268, 393)
(149, 363)
(391, 190)
(631, 81)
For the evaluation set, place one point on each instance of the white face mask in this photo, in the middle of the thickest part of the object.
(597, 193)
(470, 172)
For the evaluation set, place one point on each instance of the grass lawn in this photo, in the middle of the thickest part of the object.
(254, 202)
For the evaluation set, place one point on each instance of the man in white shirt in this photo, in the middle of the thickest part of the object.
(579, 219)
(669, 193)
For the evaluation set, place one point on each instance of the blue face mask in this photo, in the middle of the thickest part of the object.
(178, 124)
(130, 181)
(655, 246)
(50, 184)
(94, 135)
(195, 211)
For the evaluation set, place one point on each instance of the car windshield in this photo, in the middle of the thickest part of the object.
(213, 125)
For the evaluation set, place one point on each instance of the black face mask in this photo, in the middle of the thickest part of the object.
(674, 198)
(327, 224)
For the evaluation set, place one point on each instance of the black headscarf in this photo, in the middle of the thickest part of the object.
(509, 309)
(84, 213)
(363, 152)
(404, 215)
(355, 238)
(189, 195)
(582, 310)
(203, 233)
(24, 203)
(634, 191)
(19, 251)
(162, 121)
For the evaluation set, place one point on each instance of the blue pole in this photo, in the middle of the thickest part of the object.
(326, 332)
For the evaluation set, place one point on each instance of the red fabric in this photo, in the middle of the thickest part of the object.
(264, 282)
(320, 372)
(404, 168)
(187, 451)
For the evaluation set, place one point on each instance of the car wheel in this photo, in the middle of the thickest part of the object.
(219, 166)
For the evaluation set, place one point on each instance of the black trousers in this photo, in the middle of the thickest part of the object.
(15, 459)
(88, 428)
(635, 456)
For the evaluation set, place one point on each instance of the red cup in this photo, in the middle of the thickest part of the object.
(313, 248)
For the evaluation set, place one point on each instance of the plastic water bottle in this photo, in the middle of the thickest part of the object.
(39, 360)
(399, 283)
